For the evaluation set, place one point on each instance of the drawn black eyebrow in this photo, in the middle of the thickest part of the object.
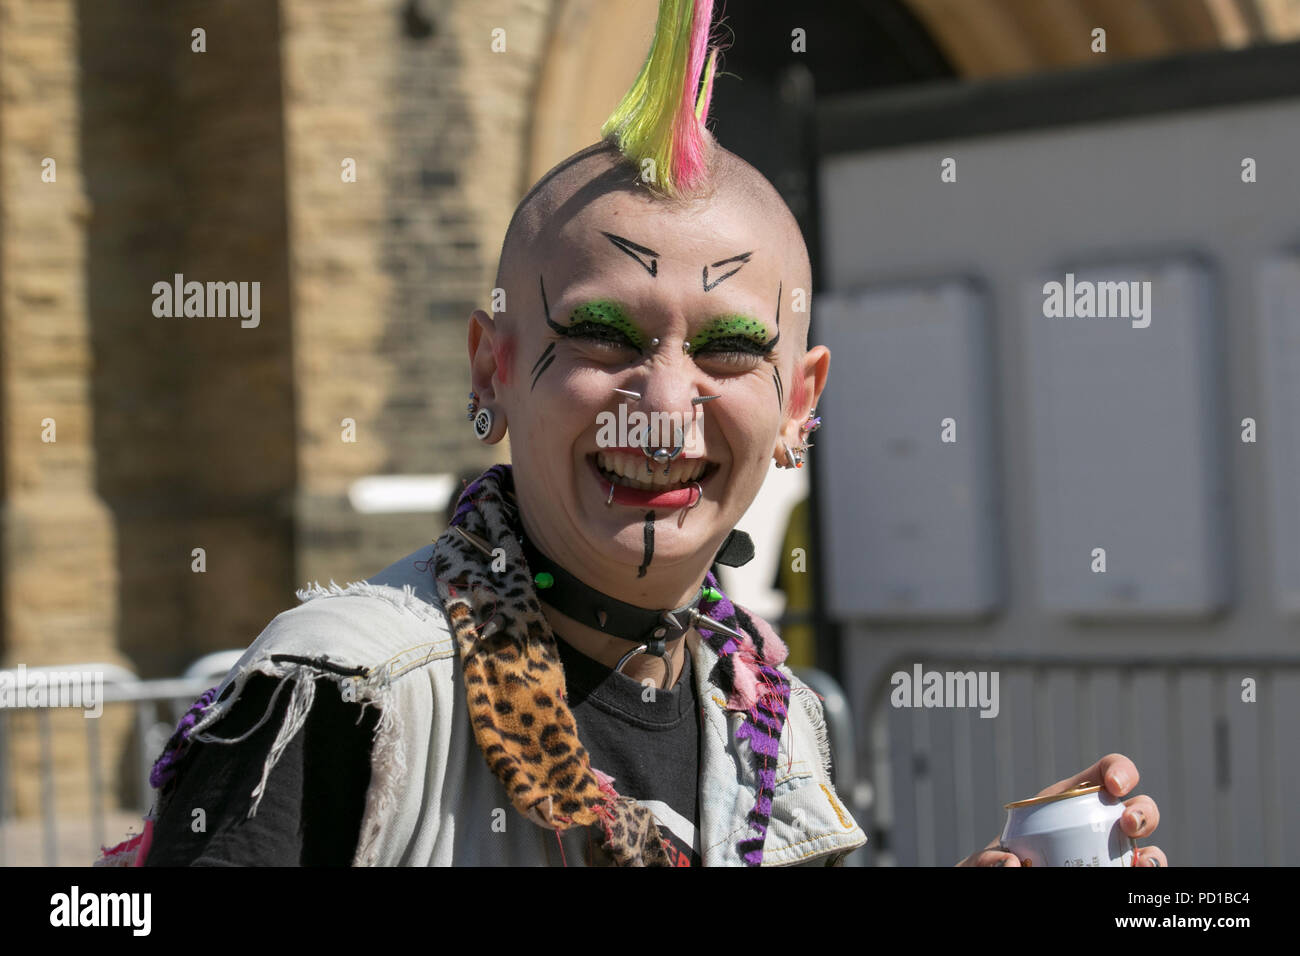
(742, 259)
(636, 252)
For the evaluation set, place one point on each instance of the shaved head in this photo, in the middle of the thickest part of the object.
(536, 230)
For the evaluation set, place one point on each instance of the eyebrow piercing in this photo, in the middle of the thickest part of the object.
(635, 396)
(654, 343)
(686, 347)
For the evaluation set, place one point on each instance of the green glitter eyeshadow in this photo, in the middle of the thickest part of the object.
(729, 327)
(609, 314)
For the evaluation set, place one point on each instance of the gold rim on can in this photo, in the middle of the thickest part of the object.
(1078, 791)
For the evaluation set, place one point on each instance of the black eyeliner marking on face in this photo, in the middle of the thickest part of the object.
(771, 345)
(537, 372)
(649, 543)
(742, 259)
(636, 252)
(780, 390)
(546, 309)
(550, 348)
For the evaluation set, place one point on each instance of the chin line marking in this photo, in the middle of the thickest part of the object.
(649, 535)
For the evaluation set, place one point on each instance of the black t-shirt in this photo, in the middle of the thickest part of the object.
(646, 738)
(310, 813)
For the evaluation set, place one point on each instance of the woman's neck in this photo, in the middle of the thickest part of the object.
(609, 649)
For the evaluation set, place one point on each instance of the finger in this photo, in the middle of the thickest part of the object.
(996, 858)
(1152, 856)
(1115, 771)
(1118, 773)
(1141, 816)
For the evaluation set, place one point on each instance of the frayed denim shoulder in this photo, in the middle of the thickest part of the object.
(362, 637)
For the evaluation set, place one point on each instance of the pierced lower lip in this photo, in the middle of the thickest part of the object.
(623, 495)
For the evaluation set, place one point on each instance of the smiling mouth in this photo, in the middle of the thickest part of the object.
(629, 470)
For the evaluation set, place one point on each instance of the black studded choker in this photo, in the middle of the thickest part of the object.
(649, 627)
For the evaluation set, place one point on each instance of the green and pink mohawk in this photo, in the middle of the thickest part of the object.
(661, 118)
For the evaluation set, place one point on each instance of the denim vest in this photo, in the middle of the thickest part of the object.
(432, 800)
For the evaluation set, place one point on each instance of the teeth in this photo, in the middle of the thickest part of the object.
(631, 470)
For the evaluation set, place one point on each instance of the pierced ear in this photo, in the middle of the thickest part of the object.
(483, 355)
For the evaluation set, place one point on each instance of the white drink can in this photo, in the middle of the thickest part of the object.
(1077, 828)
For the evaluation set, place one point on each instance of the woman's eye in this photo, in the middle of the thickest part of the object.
(733, 350)
(602, 336)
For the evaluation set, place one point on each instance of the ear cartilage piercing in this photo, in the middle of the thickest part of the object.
(635, 396)
(704, 398)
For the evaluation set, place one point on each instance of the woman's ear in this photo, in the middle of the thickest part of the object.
(482, 355)
(488, 347)
(809, 379)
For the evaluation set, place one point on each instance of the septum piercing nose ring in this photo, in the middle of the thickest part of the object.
(662, 456)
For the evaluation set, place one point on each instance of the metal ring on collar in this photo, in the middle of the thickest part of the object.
(642, 649)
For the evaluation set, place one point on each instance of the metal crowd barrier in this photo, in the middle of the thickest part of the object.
(158, 705)
(1221, 768)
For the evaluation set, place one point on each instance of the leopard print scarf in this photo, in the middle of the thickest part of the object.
(515, 688)
(514, 681)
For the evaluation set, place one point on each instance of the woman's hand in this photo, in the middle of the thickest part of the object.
(1120, 775)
